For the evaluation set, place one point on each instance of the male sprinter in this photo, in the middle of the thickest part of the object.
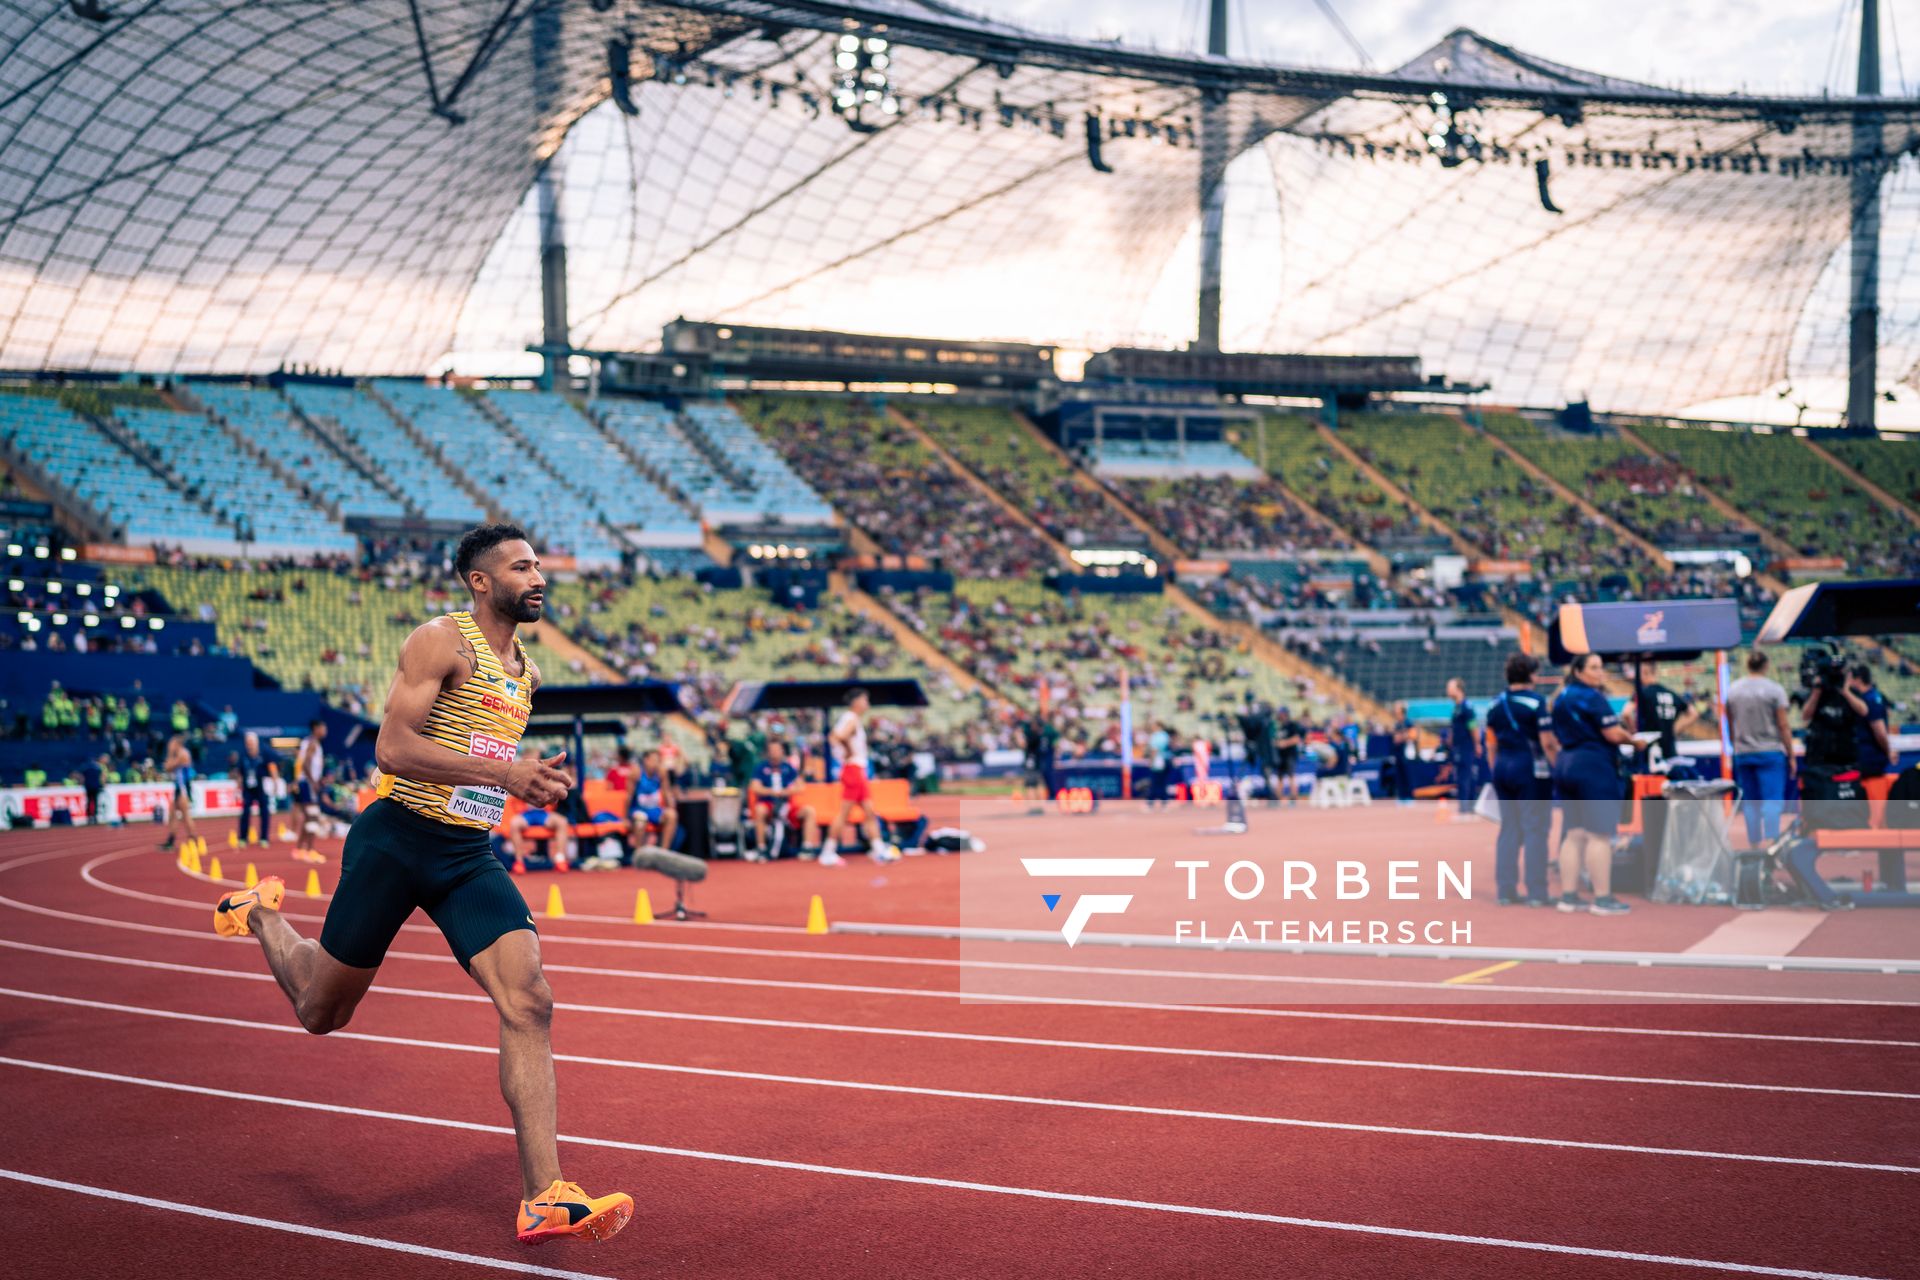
(848, 742)
(447, 756)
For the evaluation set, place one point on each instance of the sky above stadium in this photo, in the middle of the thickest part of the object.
(1776, 46)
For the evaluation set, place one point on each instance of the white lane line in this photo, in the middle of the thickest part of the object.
(297, 1228)
(1429, 986)
(950, 1184)
(968, 1095)
(1098, 1045)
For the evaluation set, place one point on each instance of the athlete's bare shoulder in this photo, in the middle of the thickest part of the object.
(439, 651)
(533, 672)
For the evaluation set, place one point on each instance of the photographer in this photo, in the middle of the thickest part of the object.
(1834, 714)
(1874, 748)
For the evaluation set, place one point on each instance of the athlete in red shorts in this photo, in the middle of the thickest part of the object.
(848, 741)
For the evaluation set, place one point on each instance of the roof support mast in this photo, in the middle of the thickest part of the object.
(1213, 186)
(1863, 335)
(548, 77)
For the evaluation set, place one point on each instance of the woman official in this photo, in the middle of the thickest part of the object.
(1587, 783)
(1524, 751)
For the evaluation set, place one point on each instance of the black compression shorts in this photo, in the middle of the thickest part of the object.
(397, 860)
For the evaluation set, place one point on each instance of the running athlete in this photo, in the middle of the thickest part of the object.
(179, 767)
(848, 742)
(448, 759)
(309, 774)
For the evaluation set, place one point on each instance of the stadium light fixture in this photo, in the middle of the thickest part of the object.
(16, 584)
(126, 623)
(23, 617)
(59, 619)
(83, 589)
(156, 623)
(40, 553)
(68, 553)
(92, 620)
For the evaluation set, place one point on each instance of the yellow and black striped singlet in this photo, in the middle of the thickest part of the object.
(483, 716)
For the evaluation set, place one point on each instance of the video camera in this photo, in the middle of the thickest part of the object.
(1823, 666)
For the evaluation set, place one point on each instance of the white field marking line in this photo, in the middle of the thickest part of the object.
(1431, 986)
(968, 1095)
(774, 1023)
(950, 1184)
(1172, 1051)
(1082, 1002)
(299, 1229)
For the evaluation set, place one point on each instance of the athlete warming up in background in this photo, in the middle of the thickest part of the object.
(447, 754)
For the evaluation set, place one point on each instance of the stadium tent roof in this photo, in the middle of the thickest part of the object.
(200, 187)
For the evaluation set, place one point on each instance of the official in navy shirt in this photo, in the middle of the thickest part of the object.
(1586, 781)
(1523, 779)
(1876, 748)
(1461, 746)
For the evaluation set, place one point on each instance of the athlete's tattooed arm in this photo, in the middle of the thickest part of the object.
(431, 658)
(467, 654)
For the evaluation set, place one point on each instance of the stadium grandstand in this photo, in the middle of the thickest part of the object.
(1136, 427)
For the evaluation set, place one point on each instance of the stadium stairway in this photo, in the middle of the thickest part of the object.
(1859, 479)
(1250, 638)
(1573, 498)
(1394, 491)
(414, 436)
(1771, 540)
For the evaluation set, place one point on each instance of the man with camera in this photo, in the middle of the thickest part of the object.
(1834, 714)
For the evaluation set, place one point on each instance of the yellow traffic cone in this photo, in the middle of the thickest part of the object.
(313, 884)
(816, 915)
(193, 859)
(233, 839)
(252, 877)
(643, 908)
(180, 858)
(213, 869)
(555, 908)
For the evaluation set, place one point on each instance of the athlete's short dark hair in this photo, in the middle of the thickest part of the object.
(1863, 673)
(476, 542)
(854, 695)
(1520, 668)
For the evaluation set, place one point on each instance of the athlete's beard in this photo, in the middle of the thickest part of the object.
(523, 609)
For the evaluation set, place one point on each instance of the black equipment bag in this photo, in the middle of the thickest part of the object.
(1832, 800)
(1903, 802)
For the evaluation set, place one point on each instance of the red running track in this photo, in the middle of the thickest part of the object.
(784, 1105)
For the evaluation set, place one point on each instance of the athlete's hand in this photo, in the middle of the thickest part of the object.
(539, 782)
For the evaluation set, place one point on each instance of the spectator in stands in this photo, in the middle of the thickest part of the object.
(142, 713)
(1874, 744)
(620, 776)
(1523, 779)
(1586, 781)
(229, 722)
(35, 775)
(1289, 738)
(180, 717)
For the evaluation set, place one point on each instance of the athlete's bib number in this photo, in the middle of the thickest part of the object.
(482, 804)
(478, 804)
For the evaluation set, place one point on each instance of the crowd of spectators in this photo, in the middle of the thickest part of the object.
(1222, 513)
(890, 487)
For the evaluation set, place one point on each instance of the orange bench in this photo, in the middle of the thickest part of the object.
(891, 801)
(597, 795)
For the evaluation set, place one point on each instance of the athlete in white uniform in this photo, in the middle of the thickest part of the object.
(309, 774)
(848, 742)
